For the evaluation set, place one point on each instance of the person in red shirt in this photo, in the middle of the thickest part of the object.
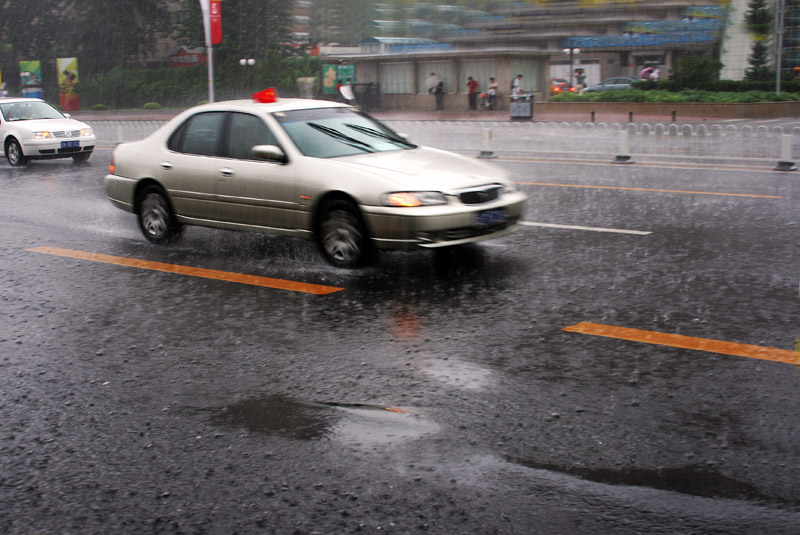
(472, 89)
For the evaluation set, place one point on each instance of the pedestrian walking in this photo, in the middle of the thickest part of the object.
(491, 93)
(435, 87)
(472, 90)
(438, 93)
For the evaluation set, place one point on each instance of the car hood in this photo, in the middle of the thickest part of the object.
(425, 168)
(51, 125)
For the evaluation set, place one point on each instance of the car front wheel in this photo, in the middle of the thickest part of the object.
(14, 154)
(343, 237)
(156, 218)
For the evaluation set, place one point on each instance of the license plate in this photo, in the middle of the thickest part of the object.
(488, 218)
(70, 144)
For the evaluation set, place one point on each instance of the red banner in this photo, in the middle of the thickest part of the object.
(216, 22)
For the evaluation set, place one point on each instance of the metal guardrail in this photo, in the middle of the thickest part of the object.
(576, 140)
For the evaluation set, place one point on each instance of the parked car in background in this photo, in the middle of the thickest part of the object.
(32, 129)
(612, 84)
(311, 169)
(560, 85)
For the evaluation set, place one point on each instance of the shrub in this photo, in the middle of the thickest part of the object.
(99, 107)
(687, 95)
(152, 106)
(693, 71)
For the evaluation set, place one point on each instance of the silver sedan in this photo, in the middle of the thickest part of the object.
(309, 169)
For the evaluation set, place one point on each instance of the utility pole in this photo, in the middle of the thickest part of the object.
(779, 44)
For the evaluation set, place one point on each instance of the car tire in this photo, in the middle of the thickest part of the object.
(81, 157)
(343, 237)
(14, 153)
(156, 219)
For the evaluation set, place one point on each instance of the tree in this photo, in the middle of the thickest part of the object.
(759, 17)
(101, 33)
(250, 28)
(692, 71)
(759, 63)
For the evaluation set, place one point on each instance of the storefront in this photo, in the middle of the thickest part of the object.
(404, 74)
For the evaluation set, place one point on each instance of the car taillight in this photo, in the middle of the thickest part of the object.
(112, 167)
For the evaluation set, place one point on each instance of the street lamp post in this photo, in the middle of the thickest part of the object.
(247, 62)
(779, 43)
(572, 52)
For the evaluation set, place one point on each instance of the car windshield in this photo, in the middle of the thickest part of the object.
(26, 111)
(335, 132)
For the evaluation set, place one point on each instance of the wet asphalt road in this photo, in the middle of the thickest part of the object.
(138, 401)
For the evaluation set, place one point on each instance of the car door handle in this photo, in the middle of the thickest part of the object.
(226, 171)
(166, 165)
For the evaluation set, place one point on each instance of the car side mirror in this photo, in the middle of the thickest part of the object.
(270, 153)
(67, 115)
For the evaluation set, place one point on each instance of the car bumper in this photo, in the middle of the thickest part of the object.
(443, 226)
(57, 147)
(120, 191)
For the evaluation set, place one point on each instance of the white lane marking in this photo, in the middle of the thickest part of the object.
(592, 229)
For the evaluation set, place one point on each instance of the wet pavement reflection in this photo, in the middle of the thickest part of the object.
(356, 424)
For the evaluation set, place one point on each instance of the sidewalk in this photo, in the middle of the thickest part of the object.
(415, 115)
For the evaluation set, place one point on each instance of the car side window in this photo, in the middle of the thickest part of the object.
(201, 135)
(245, 132)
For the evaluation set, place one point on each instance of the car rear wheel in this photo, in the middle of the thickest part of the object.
(343, 238)
(81, 157)
(14, 154)
(156, 218)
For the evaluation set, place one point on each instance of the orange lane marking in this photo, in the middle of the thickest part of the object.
(651, 190)
(686, 342)
(228, 276)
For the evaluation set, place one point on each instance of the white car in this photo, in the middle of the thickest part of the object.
(32, 129)
(309, 169)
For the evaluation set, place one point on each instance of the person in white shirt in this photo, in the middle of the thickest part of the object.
(516, 86)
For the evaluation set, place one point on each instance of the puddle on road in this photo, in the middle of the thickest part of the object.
(375, 428)
(692, 480)
(351, 423)
(277, 415)
(458, 373)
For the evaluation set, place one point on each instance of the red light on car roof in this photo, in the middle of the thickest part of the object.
(266, 96)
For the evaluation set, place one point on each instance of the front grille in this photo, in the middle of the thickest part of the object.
(480, 195)
(67, 133)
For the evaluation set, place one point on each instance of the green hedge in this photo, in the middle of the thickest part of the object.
(728, 86)
(685, 96)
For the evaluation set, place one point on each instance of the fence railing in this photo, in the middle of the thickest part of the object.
(570, 139)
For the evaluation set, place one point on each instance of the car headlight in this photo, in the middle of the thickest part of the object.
(86, 132)
(415, 198)
(42, 135)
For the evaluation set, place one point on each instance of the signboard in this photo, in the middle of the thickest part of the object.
(333, 75)
(187, 57)
(30, 78)
(216, 22)
(69, 97)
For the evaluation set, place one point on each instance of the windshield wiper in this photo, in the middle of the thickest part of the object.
(344, 138)
(380, 135)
